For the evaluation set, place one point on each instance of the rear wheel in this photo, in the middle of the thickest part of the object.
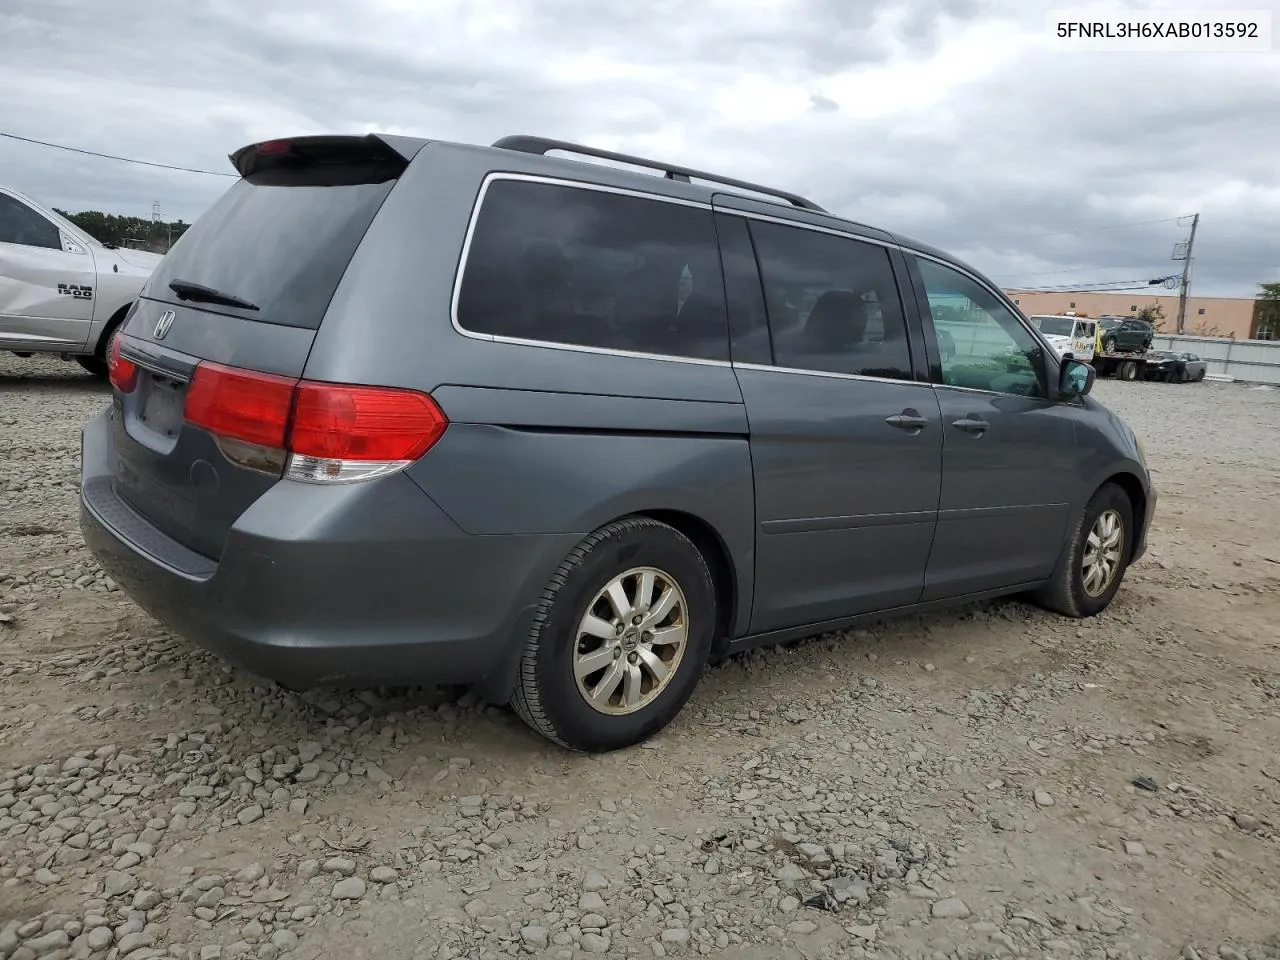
(1096, 558)
(1129, 370)
(619, 639)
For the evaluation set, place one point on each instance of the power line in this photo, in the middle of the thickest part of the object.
(108, 156)
(1062, 233)
(1105, 286)
(1047, 273)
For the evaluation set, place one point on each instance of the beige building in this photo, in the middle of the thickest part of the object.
(1206, 316)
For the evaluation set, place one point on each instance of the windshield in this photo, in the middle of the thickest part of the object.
(1056, 326)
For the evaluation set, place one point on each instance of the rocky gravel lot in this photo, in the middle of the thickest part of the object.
(992, 782)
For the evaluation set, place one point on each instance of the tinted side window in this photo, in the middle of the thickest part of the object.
(20, 224)
(983, 346)
(597, 269)
(833, 303)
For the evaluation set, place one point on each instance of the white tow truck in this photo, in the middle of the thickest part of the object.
(1080, 339)
(62, 291)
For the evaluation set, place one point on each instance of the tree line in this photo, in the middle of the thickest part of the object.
(121, 231)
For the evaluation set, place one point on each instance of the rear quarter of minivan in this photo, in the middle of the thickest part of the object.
(316, 466)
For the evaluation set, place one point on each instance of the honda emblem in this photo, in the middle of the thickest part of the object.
(163, 324)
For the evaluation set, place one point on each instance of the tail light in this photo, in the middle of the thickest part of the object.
(325, 432)
(122, 373)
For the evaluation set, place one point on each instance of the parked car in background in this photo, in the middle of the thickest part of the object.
(61, 291)
(1130, 335)
(578, 430)
(1174, 367)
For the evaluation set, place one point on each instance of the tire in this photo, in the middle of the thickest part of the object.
(1067, 593)
(1200, 376)
(550, 697)
(1128, 370)
(1109, 345)
(95, 365)
(97, 362)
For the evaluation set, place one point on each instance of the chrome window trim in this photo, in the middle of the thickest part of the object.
(828, 374)
(495, 176)
(830, 231)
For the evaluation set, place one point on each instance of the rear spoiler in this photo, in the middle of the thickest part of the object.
(297, 153)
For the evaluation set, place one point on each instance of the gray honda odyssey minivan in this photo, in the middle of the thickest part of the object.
(400, 411)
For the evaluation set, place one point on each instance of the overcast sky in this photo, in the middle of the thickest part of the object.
(955, 121)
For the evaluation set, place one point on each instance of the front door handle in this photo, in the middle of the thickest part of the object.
(909, 420)
(971, 424)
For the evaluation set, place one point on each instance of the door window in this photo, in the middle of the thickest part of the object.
(22, 225)
(832, 302)
(986, 346)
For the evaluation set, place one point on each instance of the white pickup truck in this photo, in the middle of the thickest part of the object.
(62, 291)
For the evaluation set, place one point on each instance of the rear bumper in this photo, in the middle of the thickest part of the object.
(352, 585)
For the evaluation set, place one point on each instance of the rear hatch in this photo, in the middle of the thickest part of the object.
(245, 289)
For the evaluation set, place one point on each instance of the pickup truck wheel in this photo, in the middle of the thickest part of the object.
(619, 639)
(1093, 566)
(95, 365)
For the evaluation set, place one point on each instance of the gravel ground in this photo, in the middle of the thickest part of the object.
(991, 782)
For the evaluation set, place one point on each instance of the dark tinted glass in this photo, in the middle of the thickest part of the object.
(748, 324)
(282, 248)
(570, 265)
(20, 224)
(833, 303)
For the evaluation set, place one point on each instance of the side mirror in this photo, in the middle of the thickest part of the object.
(1075, 379)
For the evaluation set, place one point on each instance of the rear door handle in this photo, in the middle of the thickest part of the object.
(971, 424)
(909, 420)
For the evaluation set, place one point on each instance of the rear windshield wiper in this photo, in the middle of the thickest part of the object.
(186, 290)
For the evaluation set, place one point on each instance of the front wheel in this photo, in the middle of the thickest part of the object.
(619, 639)
(1109, 344)
(95, 365)
(1093, 567)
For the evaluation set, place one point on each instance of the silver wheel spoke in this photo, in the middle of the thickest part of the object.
(589, 663)
(632, 685)
(595, 627)
(609, 682)
(618, 600)
(667, 635)
(654, 663)
(663, 607)
(644, 590)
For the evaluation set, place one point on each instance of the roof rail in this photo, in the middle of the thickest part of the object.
(542, 145)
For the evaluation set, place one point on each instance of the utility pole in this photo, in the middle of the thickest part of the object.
(1186, 276)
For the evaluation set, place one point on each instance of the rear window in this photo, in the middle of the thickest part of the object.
(597, 269)
(281, 247)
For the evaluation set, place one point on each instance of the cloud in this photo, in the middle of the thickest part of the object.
(955, 121)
